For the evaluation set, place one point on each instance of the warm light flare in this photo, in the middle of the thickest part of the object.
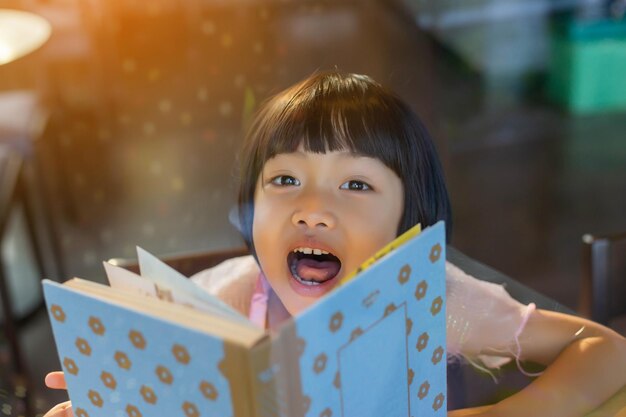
(20, 34)
(5, 53)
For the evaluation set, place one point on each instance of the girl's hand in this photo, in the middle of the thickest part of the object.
(61, 410)
(56, 380)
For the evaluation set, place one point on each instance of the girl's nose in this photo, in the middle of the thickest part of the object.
(314, 218)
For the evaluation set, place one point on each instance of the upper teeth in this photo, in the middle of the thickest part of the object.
(308, 251)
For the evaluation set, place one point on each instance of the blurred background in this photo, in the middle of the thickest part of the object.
(122, 129)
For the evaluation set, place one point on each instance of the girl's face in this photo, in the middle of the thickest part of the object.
(317, 217)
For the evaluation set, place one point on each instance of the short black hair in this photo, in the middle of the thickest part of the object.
(337, 111)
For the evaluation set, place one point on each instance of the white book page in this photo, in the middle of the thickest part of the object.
(160, 280)
(130, 282)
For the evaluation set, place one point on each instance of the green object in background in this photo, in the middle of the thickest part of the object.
(588, 68)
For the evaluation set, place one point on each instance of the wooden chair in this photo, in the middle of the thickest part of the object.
(603, 291)
(188, 263)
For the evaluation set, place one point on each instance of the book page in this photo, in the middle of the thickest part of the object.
(166, 277)
(123, 279)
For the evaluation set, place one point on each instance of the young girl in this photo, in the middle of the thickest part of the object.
(336, 167)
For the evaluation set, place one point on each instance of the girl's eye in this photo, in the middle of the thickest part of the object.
(354, 185)
(285, 181)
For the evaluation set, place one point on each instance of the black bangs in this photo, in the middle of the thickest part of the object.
(340, 114)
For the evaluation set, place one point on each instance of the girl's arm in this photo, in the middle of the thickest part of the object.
(614, 407)
(586, 366)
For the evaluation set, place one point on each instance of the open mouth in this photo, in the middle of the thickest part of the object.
(313, 267)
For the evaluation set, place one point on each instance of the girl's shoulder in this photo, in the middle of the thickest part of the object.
(233, 281)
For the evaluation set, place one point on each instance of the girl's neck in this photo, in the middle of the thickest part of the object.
(276, 312)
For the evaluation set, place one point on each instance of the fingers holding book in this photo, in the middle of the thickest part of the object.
(61, 410)
(56, 380)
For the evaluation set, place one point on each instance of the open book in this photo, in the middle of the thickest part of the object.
(158, 345)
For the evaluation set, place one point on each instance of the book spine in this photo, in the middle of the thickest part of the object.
(275, 376)
(234, 367)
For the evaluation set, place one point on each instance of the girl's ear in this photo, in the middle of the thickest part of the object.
(233, 218)
(246, 233)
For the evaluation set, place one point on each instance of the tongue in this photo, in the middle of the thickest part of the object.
(312, 270)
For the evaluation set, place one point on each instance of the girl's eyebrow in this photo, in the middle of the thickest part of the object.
(357, 154)
(343, 154)
(297, 153)
(303, 155)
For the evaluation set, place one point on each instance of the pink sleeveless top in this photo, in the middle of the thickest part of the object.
(258, 302)
(479, 314)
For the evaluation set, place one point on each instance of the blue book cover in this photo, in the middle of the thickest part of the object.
(133, 356)
(373, 347)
